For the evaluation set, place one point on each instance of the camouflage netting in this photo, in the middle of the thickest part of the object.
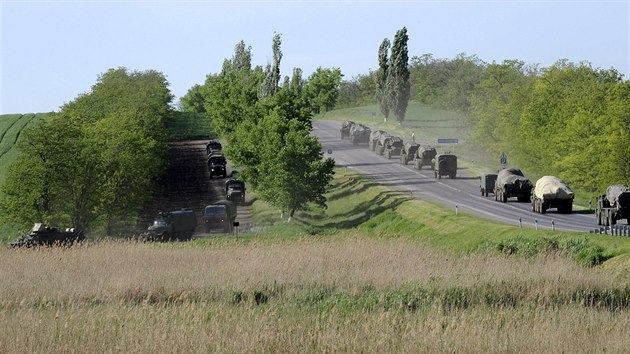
(347, 124)
(409, 146)
(551, 187)
(359, 129)
(375, 134)
(618, 194)
(510, 176)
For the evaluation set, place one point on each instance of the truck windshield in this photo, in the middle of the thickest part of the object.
(160, 223)
(215, 210)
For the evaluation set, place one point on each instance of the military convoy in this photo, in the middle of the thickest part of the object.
(359, 134)
(345, 129)
(613, 206)
(42, 235)
(445, 165)
(172, 225)
(424, 157)
(552, 192)
(511, 182)
(408, 152)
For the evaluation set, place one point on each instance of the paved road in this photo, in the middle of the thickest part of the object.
(462, 192)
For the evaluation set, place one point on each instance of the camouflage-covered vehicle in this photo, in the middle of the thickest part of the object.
(345, 129)
(408, 152)
(552, 192)
(172, 225)
(360, 134)
(614, 205)
(510, 183)
(389, 146)
(445, 165)
(374, 136)
(42, 235)
(424, 157)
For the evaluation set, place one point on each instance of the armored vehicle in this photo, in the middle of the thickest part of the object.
(445, 165)
(374, 136)
(359, 134)
(220, 215)
(614, 205)
(235, 190)
(408, 152)
(424, 157)
(42, 235)
(173, 225)
(345, 128)
(510, 183)
(214, 148)
(390, 146)
(487, 183)
(552, 192)
(216, 165)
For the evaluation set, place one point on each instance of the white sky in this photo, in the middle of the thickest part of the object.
(51, 51)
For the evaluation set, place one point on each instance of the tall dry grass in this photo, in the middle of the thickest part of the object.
(333, 294)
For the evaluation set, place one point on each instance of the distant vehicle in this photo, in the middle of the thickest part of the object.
(552, 192)
(424, 157)
(375, 135)
(173, 225)
(487, 183)
(359, 134)
(345, 129)
(445, 165)
(235, 190)
(392, 146)
(220, 215)
(510, 183)
(214, 148)
(408, 152)
(217, 165)
(614, 205)
(42, 235)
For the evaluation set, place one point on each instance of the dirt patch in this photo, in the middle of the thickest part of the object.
(187, 185)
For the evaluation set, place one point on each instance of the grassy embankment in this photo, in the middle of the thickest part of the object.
(429, 124)
(375, 272)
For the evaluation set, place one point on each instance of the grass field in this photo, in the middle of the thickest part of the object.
(375, 272)
(11, 126)
(189, 126)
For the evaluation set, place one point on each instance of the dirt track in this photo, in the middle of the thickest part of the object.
(187, 184)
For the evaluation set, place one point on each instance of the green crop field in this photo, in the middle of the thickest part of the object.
(189, 126)
(11, 126)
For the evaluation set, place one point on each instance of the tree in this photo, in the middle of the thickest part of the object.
(381, 78)
(397, 83)
(322, 88)
(272, 71)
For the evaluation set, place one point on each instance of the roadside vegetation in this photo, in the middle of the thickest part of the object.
(375, 271)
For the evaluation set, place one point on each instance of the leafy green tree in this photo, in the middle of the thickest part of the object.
(272, 71)
(322, 88)
(382, 74)
(397, 83)
(359, 91)
(193, 100)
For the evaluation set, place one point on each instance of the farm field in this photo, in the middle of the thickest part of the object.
(11, 126)
(375, 272)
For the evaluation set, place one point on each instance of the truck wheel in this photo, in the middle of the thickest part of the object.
(486, 193)
(611, 219)
(504, 198)
(482, 193)
(452, 175)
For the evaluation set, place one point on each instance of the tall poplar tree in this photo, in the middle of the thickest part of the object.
(381, 77)
(397, 84)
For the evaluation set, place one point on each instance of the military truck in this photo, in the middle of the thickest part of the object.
(172, 225)
(217, 165)
(391, 146)
(214, 148)
(510, 183)
(408, 152)
(42, 235)
(235, 190)
(345, 128)
(424, 157)
(552, 192)
(614, 205)
(487, 183)
(220, 215)
(445, 165)
(360, 134)
(374, 136)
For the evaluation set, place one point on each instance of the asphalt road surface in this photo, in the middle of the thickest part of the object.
(461, 193)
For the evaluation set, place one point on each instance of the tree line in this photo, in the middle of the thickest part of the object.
(266, 124)
(96, 161)
(570, 119)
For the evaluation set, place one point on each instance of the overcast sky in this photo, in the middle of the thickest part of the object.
(52, 51)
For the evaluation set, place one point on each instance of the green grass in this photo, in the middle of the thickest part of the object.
(189, 126)
(11, 127)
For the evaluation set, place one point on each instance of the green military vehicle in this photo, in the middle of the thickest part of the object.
(487, 183)
(235, 190)
(408, 152)
(220, 215)
(42, 235)
(374, 136)
(510, 183)
(552, 192)
(217, 165)
(360, 134)
(172, 225)
(445, 165)
(345, 129)
(424, 157)
(614, 205)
